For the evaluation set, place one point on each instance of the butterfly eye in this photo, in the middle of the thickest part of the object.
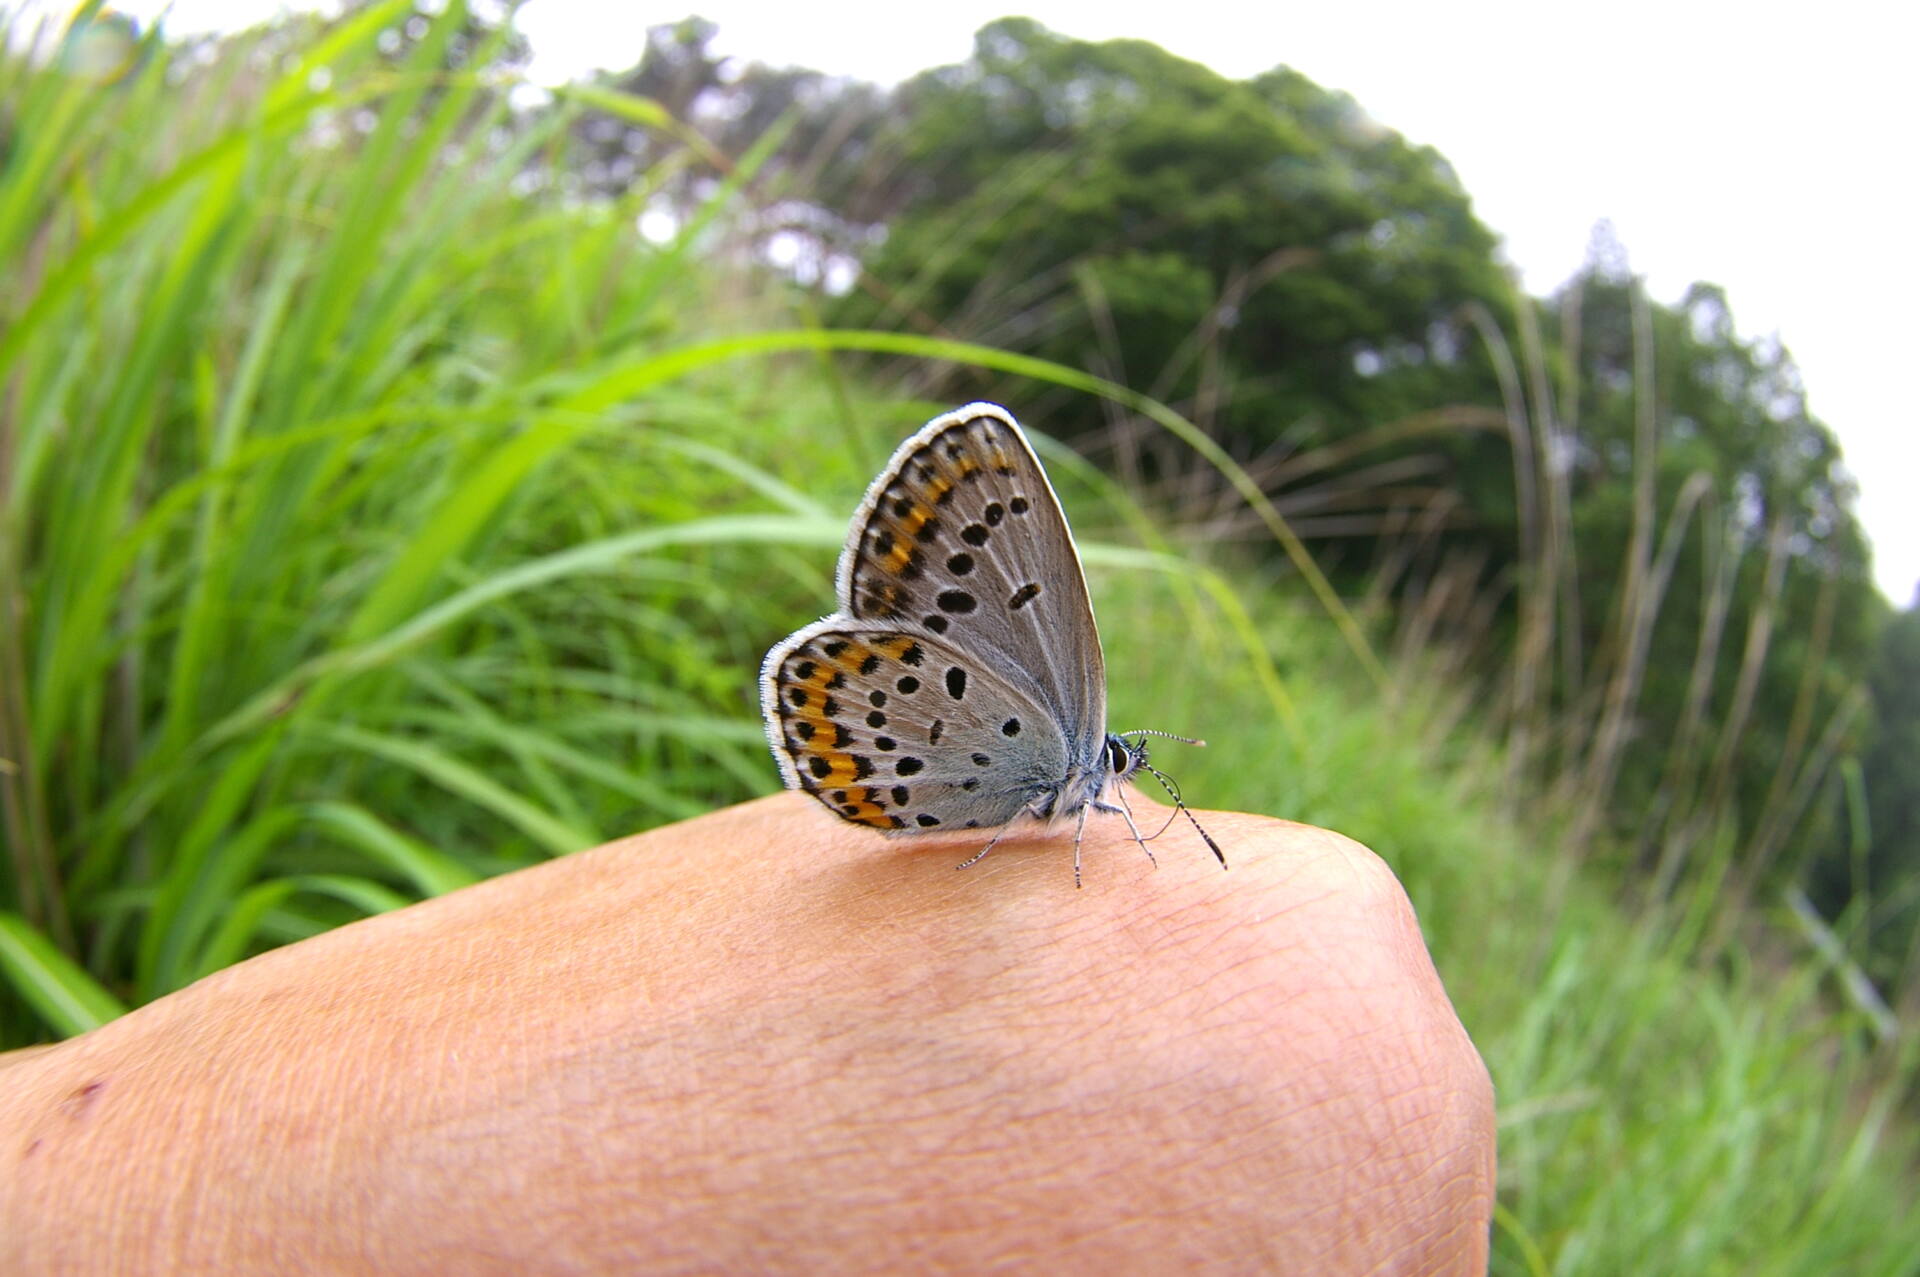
(1121, 760)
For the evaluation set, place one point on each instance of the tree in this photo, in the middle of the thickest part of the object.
(1881, 870)
(1759, 622)
(1258, 252)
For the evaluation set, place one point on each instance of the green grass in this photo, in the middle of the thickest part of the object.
(369, 528)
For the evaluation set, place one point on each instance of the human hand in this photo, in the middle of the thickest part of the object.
(768, 1041)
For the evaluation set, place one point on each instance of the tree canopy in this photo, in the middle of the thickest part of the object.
(1262, 246)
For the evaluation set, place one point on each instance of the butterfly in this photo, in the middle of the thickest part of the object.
(961, 683)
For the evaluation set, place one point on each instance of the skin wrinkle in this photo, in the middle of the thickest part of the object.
(987, 1151)
(1181, 1160)
(1072, 1181)
(1426, 1183)
(471, 1130)
(1174, 1132)
(1436, 1194)
(1192, 929)
(1227, 1004)
(867, 1093)
(844, 1194)
(755, 1043)
(1247, 959)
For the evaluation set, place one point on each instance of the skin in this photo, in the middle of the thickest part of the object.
(767, 1041)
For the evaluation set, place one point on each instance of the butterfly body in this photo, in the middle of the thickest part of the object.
(961, 683)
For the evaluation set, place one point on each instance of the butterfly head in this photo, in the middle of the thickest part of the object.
(1125, 757)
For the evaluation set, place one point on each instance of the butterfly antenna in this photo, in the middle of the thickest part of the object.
(1166, 783)
(1149, 731)
(1180, 808)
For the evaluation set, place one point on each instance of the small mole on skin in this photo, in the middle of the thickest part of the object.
(76, 1105)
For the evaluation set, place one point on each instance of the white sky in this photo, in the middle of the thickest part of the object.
(1764, 148)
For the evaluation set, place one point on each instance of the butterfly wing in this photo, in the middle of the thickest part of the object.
(894, 728)
(962, 536)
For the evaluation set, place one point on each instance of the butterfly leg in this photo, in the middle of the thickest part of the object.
(1078, 830)
(1127, 812)
(998, 834)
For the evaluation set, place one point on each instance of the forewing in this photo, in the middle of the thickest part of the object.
(897, 729)
(962, 534)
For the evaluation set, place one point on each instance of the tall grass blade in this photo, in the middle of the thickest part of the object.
(68, 999)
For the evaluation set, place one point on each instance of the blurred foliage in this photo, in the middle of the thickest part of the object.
(1741, 558)
(1316, 294)
(320, 572)
(379, 511)
(1263, 244)
(1876, 885)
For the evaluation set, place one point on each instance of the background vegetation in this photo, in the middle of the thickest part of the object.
(400, 480)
